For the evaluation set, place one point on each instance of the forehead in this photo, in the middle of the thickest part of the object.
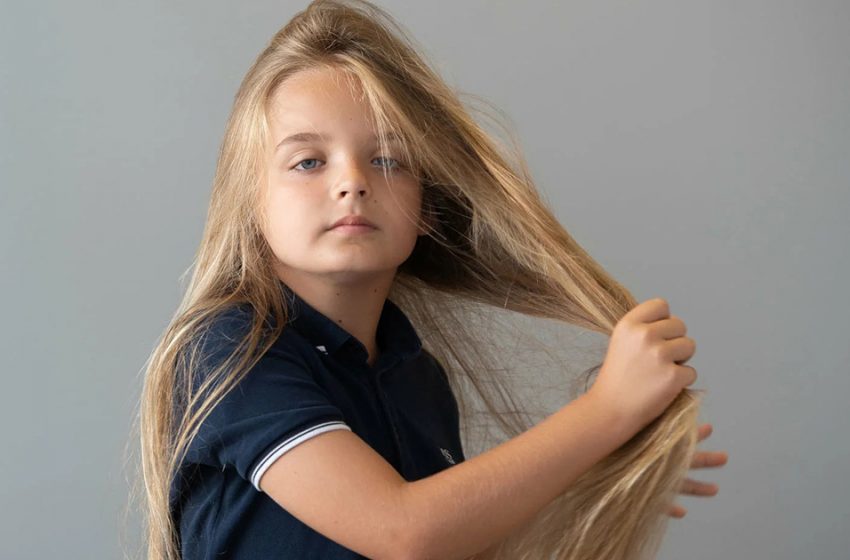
(318, 99)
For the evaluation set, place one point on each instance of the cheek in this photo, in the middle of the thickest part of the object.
(288, 227)
(415, 208)
(408, 198)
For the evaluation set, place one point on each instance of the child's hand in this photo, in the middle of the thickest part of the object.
(702, 459)
(644, 369)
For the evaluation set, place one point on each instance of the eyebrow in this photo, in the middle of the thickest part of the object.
(304, 137)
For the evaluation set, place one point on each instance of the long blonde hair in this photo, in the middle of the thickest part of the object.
(493, 244)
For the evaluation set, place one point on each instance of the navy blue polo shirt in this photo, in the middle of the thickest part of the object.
(315, 378)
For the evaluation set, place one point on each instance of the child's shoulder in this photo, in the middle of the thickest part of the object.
(226, 325)
(433, 362)
(225, 332)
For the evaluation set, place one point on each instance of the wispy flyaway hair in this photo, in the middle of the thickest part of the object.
(493, 244)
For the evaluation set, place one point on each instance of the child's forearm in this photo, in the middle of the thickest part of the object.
(475, 504)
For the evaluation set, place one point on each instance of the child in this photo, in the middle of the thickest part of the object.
(292, 410)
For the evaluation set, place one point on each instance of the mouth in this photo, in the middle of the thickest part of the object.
(354, 228)
(353, 220)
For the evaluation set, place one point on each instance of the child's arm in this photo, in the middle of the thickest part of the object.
(345, 490)
(474, 505)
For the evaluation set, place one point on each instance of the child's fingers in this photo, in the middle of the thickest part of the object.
(705, 459)
(698, 488)
(677, 511)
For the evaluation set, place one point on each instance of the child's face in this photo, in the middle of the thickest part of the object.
(314, 183)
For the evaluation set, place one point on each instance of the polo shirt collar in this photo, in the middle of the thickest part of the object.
(396, 336)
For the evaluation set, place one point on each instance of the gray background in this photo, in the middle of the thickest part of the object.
(699, 150)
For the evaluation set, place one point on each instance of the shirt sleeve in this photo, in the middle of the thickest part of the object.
(276, 406)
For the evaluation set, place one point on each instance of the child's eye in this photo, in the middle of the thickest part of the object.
(397, 164)
(302, 161)
(309, 168)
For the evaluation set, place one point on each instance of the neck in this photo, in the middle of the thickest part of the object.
(354, 306)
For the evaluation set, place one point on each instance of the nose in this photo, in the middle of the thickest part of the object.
(352, 181)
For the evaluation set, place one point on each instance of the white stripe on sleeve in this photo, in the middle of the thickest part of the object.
(291, 442)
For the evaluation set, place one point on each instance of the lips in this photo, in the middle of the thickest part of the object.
(353, 220)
